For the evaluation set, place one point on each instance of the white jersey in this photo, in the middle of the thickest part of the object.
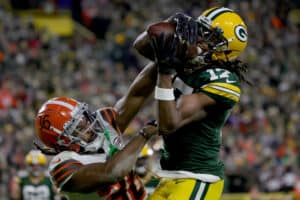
(63, 165)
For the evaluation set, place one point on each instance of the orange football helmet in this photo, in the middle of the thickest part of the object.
(58, 126)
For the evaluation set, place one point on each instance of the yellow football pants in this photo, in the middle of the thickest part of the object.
(187, 189)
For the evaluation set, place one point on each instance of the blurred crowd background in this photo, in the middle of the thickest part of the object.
(261, 141)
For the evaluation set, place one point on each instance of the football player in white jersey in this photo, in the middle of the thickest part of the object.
(90, 155)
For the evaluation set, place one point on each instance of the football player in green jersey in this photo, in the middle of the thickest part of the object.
(34, 183)
(195, 97)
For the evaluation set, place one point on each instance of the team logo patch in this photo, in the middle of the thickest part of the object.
(241, 33)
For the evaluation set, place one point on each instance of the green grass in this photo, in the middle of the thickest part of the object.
(77, 196)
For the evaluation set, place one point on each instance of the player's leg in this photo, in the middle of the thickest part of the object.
(161, 191)
(174, 189)
(187, 189)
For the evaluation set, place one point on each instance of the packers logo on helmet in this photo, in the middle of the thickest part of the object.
(240, 33)
(233, 29)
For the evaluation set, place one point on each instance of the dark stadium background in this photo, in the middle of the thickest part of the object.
(83, 49)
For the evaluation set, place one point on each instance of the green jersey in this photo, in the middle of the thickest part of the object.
(195, 147)
(39, 191)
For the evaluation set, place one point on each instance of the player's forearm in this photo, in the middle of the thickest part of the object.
(144, 83)
(168, 116)
(93, 176)
(123, 161)
(138, 93)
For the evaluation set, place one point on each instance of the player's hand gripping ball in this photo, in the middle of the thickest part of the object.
(185, 51)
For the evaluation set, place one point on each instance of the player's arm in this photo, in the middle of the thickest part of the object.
(139, 91)
(90, 177)
(173, 115)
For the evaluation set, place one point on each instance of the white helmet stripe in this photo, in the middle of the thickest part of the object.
(217, 12)
(35, 157)
(61, 103)
(56, 130)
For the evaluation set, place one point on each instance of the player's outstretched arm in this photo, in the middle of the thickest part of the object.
(91, 177)
(139, 91)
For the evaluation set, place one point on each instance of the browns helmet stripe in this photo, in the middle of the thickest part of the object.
(61, 103)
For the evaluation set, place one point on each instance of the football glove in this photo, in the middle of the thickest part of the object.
(165, 48)
(186, 27)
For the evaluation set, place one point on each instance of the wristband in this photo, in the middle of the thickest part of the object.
(164, 94)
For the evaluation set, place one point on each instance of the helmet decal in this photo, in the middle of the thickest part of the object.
(241, 33)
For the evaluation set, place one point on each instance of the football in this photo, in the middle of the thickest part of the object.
(161, 27)
(168, 28)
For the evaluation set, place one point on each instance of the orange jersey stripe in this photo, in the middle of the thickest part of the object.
(106, 116)
(64, 166)
(110, 115)
(58, 180)
(114, 123)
